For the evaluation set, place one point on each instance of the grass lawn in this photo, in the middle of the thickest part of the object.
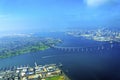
(55, 78)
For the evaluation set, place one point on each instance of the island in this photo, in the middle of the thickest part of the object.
(12, 45)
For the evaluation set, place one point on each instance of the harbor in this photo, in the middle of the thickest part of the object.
(38, 72)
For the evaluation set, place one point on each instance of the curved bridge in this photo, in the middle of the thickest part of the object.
(81, 49)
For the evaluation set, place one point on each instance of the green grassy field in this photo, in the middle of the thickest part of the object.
(24, 50)
(55, 78)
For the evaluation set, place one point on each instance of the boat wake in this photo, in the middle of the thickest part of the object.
(44, 57)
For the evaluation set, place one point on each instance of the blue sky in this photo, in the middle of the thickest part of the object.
(50, 15)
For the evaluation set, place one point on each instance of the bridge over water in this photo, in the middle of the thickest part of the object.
(81, 49)
(35, 57)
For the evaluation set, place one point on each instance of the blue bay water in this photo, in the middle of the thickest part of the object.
(91, 65)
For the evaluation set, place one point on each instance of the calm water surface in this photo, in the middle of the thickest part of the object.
(91, 65)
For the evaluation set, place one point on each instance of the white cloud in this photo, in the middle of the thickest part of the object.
(96, 3)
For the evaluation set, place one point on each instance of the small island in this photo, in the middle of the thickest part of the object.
(13, 45)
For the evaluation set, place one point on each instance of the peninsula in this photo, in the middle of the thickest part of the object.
(13, 45)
